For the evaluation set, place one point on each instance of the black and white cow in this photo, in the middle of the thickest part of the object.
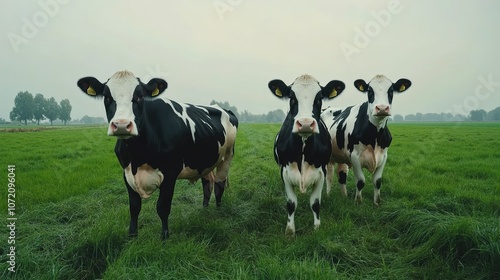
(360, 136)
(302, 147)
(160, 141)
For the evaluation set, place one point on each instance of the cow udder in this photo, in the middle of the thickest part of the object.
(145, 181)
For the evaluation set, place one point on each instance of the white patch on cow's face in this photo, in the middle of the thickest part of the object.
(380, 95)
(122, 86)
(306, 89)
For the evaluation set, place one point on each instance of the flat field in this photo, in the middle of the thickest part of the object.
(439, 217)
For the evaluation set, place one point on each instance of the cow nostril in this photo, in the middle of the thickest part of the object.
(129, 126)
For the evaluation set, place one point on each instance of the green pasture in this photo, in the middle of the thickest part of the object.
(439, 217)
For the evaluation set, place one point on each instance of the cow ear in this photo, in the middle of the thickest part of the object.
(401, 85)
(279, 88)
(91, 86)
(361, 85)
(333, 89)
(155, 87)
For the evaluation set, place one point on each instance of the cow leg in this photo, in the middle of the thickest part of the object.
(329, 177)
(135, 204)
(164, 204)
(221, 176)
(377, 182)
(360, 178)
(342, 170)
(207, 191)
(315, 200)
(291, 206)
(219, 190)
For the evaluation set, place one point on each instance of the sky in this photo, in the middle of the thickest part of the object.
(228, 50)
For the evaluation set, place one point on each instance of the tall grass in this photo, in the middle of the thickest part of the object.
(438, 218)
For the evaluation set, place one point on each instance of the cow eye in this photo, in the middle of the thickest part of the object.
(137, 99)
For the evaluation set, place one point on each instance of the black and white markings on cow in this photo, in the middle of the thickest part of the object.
(360, 135)
(160, 140)
(302, 147)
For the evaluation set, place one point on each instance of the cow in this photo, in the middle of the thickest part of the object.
(360, 135)
(302, 147)
(160, 140)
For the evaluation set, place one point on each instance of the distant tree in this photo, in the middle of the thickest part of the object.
(23, 107)
(432, 117)
(276, 116)
(410, 117)
(51, 110)
(92, 120)
(244, 116)
(65, 111)
(448, 117)
(494, 115)
(39, 108)
(460, 117)
(2, 121)
(398, 118)
(477, 115)
(419, 117)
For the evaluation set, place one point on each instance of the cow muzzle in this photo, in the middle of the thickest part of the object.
(305, 127)
(122, 128)
(382, 110)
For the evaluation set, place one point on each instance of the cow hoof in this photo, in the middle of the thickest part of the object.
(133, 235)
(164, 235)
(343, 190)
(290, 232)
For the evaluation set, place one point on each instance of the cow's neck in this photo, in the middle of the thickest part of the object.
(379, 123)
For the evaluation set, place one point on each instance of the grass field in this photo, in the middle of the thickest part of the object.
(439, 217)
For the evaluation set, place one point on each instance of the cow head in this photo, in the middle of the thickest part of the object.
(124, 96)
(306, 97)
(380, 93)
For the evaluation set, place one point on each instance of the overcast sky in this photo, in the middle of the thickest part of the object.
(228, 50)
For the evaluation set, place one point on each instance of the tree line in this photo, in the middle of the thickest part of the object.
(28, 108)
(474, 116)
(275, 116)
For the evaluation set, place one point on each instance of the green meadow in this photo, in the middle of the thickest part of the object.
(439, 217)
